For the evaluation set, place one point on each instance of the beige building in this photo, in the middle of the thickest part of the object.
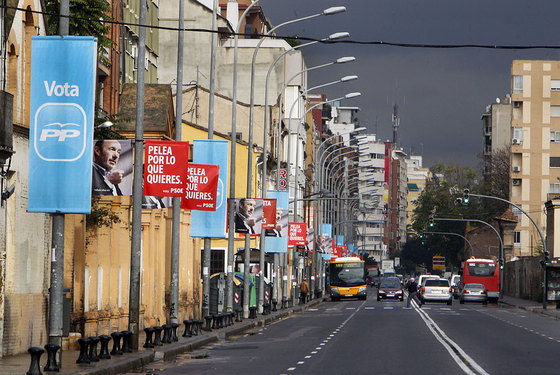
(417, 178)
(535, 152)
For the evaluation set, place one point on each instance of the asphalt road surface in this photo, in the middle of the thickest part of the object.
(370, 337)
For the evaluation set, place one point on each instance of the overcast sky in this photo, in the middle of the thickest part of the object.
(441, 93)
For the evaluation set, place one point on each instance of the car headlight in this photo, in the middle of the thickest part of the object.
(362, 289)
(335, 291)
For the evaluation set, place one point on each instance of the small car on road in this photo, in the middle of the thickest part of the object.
(474, 293)
(437, 290)
(390, 288)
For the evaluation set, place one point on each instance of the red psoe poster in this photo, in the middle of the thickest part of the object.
(201, 187)
(165, 168)
(297, 234)
(269, 214)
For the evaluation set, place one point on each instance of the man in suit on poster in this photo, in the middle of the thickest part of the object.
(244, 223)
(105, 177)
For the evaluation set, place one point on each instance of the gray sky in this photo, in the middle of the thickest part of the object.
(441, 93)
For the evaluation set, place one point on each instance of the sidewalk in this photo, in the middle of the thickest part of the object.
(19, 364)
(532, 306)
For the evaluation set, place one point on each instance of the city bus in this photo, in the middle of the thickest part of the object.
(483, 271)
(347, 278)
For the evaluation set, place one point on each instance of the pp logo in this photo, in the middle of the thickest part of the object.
(60, 131)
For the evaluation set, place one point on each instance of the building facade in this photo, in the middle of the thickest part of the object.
(535, 147)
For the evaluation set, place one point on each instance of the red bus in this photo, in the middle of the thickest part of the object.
(483, 271)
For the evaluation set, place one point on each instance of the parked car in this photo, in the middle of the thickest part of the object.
(456, 283)
(390, 288)
(437, 290)
(474, 293)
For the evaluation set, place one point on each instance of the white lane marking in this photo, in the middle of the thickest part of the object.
(388, 308)
(350, 308)
(314, 352)
(300, 362)
(307, 356)
(370, 308)
(291, 369)
(312, 309)
(440, 335)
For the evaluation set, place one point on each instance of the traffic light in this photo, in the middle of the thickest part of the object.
(431, 221)
(501, 265)
(466, 196)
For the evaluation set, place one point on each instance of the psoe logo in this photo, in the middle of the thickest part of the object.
(60, 131)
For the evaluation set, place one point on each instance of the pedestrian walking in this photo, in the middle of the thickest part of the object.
(303, 291)
(412, 288)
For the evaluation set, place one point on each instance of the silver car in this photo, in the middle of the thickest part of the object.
(474, 293)
(437, 290)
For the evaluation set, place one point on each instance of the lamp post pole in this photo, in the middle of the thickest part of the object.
(501, 252)
(260, 296)
(247, 255)
(545, 251)
(231, 200)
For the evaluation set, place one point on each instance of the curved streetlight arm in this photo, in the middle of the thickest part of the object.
(501, 255)
(536, 226)
(452, 234)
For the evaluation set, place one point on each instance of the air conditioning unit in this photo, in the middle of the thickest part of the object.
(516, 182)
(516, 168)
(516, 141)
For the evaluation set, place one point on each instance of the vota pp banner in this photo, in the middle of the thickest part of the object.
(61, 123)
(212, 224)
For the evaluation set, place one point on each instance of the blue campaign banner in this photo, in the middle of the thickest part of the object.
(273, 242)
(326, 229)
(276, 244)
(324, 242)
(339, 239)
(352, 248)
(212, 224)
(282, 198)
(62, 103)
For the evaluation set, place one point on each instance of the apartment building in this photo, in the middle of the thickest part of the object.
(535, 148)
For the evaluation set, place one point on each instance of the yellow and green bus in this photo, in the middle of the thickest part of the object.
(348, 278)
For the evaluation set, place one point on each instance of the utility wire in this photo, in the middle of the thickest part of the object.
(300, 38)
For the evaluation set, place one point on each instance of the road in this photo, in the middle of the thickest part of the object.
(370, 337)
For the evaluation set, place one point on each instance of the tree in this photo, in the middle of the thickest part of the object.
(86, 19)
(496, 172)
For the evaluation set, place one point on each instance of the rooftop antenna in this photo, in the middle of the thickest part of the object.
(396, 122)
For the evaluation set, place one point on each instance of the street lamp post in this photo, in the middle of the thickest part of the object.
(231, 200)
(246, 295)
(501, 253)
(545, 251)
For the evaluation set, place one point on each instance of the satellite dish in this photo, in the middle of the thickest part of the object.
(498, 100)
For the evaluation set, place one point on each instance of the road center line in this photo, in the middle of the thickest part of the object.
(463, 360)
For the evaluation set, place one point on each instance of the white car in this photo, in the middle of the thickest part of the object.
(437, 290)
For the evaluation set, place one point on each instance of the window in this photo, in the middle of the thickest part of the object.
(554, 189)
(555, 84)
(517, 239)
(554, 136)
(517, 84)
(517, 133)
(555, 111)
(554, 162)
(517, 212)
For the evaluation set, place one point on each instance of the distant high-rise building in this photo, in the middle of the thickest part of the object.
(496, 130)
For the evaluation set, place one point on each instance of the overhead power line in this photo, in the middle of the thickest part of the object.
(303, 38)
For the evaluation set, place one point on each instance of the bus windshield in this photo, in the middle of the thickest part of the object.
(481, 269)
(347, 274)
